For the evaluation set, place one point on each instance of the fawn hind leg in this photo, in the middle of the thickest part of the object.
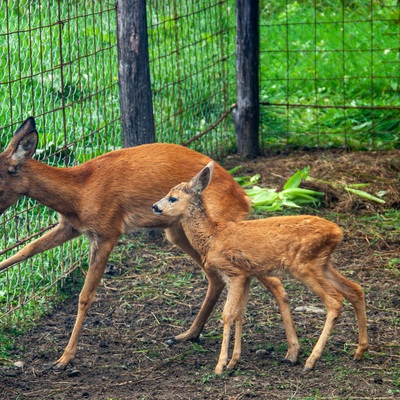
(232, 312)
(354, 294)
(274, 285)
(315, 280)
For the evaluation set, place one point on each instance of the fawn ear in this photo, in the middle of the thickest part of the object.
(202, 179)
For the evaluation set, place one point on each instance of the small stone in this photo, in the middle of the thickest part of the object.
(170, 342)
(19, 364)
(261, 353)
(74, 372)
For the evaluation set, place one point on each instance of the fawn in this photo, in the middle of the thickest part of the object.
(112, 194)
(239, 250)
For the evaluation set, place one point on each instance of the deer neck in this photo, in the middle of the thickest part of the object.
(56, 188)
(199, 228)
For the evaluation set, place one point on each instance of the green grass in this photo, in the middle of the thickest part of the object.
(336, 54)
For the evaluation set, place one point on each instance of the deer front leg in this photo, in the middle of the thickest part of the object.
(274, 285)
(176, 235)
(100, 251)
(60, 234)
(215, 287)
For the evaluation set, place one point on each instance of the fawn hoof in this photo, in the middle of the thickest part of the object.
(306, 369)
(231, 365)
(219, 369)
(292, 355)
(288, 361)
(359, 353)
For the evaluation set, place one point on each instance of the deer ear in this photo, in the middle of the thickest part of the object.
(27, 126)
(25, 135)
(202, 179)
(23, 148)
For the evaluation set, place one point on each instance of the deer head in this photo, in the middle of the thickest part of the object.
(22, 146)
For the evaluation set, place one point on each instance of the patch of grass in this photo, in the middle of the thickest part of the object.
(325, 54)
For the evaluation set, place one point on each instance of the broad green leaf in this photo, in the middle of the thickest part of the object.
(263, 198)
(295, 180)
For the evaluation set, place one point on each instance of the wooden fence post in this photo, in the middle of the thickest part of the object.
(137, 118)
(246, 115)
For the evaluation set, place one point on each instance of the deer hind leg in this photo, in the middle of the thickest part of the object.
(354, 294)
(216, 284)
(274, 285)
(315, 280)
(233, 311)
(100, 250)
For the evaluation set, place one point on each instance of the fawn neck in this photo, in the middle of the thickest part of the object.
(199, 228)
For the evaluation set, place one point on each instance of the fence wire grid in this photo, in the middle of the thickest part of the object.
(60, 64)
(330, 74)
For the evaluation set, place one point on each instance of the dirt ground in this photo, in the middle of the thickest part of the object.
(152, 291)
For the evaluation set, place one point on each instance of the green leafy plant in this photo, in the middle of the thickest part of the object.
(266, 199)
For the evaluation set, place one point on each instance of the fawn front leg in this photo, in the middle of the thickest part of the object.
(237, 349)
(60, 234)
(100, 250)
(236, 291)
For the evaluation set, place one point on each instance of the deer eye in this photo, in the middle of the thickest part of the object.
(172, 199)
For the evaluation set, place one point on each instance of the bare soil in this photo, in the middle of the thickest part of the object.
(152, 291)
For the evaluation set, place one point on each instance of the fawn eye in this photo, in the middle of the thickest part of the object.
(172, 199)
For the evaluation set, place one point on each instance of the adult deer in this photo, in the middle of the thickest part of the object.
(239, 250)
(112, 194)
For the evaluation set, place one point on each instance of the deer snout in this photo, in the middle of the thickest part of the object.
(156, 210)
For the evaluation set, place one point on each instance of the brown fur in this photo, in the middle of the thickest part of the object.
(111, 195)
(298, 245)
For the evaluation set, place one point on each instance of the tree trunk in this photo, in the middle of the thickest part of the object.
(246, 115)
(137, 118)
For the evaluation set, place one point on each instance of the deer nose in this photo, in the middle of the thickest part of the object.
(156, 210)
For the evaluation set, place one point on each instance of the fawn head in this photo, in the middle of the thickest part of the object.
(21, 148)
(179, 198)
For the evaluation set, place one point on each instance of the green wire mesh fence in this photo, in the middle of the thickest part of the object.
(330, 74)
(60, 64)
